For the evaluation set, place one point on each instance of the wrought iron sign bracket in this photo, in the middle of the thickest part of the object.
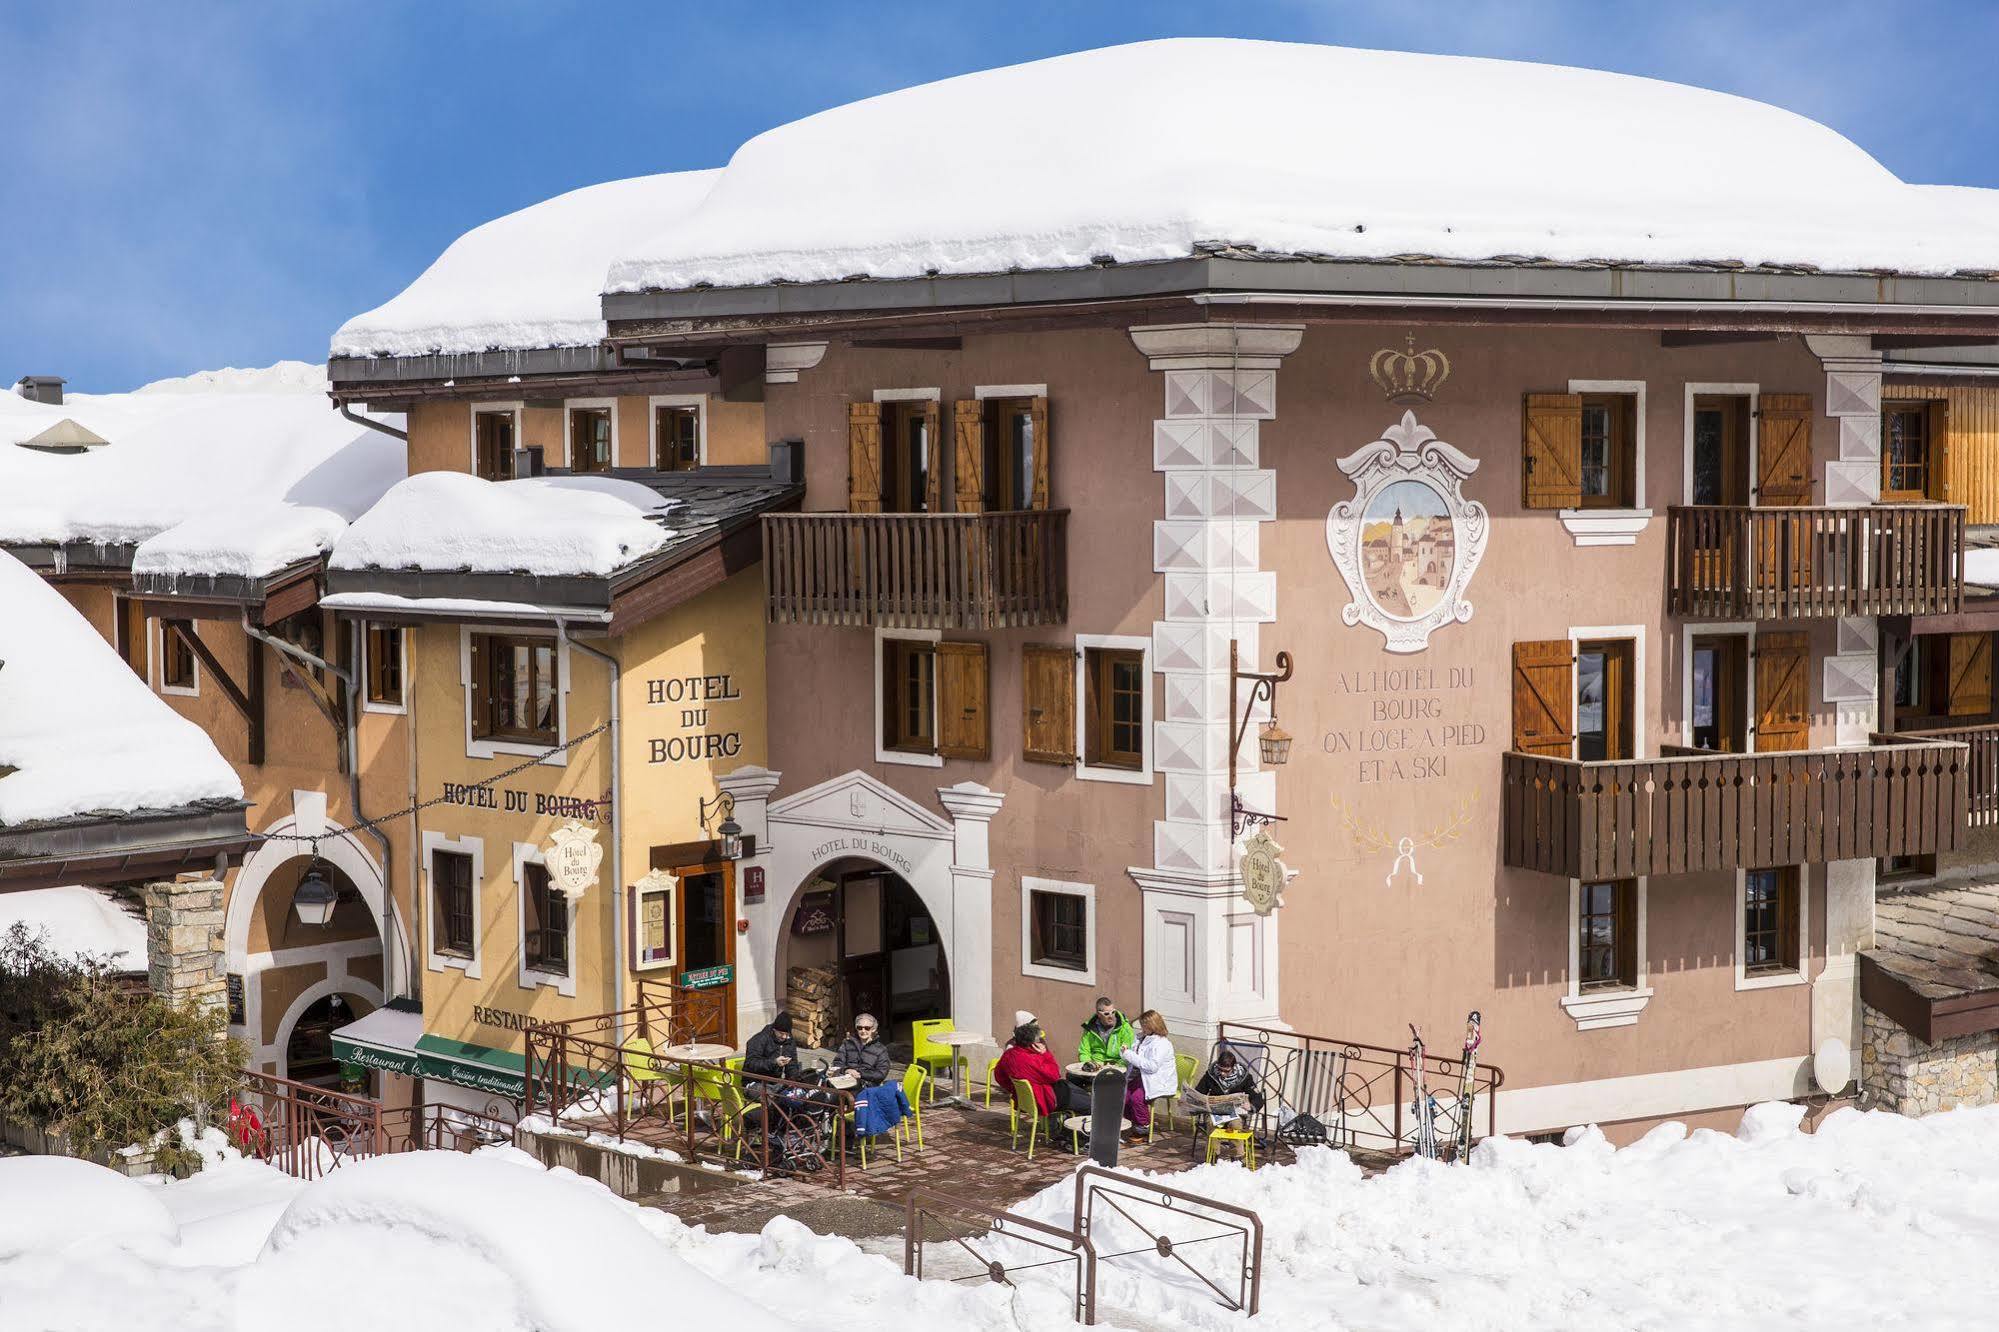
(1262, 688)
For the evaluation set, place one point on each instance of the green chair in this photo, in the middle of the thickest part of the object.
(1186, 1066)
(648, 1080)
(705, 1083)
(992, 1076)
(1024, 1107)
(930, 1054)
(913, 1079)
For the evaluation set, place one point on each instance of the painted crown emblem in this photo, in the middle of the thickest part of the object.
(1409, 375)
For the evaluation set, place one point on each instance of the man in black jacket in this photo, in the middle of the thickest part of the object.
(772, 1053)
(862, 1054)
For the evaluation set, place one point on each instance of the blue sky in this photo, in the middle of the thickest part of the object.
(194, 185)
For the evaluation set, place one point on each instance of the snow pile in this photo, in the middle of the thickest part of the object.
(55, 1202)
(548, 525)
(1148, 151)
(84, 732)
(527, 280)
(1981, 567)
(226, 472)
(76, 920)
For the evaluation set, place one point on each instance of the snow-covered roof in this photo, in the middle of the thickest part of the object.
(525, 281)
(82, 732)
(227, 472)
(545, 525)
(74, 919)
(1160, 149)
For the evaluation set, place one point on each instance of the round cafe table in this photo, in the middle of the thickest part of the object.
(696, 1052)
(958, 1041)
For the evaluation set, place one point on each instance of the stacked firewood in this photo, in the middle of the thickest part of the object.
(813, 999)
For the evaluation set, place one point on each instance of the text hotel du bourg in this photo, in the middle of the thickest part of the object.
(1411, 718)
(692, 696)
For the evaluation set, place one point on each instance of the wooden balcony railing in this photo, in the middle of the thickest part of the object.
(1983, 741)
(918, 570)
(1687, 812)
(1731, 562)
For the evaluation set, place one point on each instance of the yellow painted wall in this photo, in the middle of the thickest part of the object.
(441, 434)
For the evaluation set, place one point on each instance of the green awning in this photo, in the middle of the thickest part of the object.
(480, 1067)
(385, 1039)
(393, 1040)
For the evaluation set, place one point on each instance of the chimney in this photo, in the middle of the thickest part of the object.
(41, 388)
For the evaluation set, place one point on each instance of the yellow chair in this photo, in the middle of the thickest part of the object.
(1024, 1106)
(1184, 1065)
(704, 1084)
(992, 1076)
(1244, 1140)
(643, 1072)
(930, 1054)
(913, 1079)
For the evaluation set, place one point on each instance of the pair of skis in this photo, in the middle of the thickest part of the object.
(1424, 1108)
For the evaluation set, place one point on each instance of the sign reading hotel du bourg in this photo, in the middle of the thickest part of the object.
(698, 739)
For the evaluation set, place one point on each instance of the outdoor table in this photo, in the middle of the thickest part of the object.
(958, 1040)
(842, 1081)
(698, 1052)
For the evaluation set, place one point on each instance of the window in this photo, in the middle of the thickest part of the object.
(544, 921)
(493, 444)
(1770, 921)
(909, 695)
(933, 700)
(590, 439)
(676, 434)
(1010, 446)
(1905, 450)
(1720, 450)
(305, 631)
(1603, 700)
(909, 435)
(1962, 666)
(514, 689)
(451, 895)
(1608, 462)
(1718, 678)
(1061, 931)
(177, 668)
(1607, 936)
(385, 665)
(1114, 708)
(1910, 683)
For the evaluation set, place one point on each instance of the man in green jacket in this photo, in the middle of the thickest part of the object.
(1106, 1035)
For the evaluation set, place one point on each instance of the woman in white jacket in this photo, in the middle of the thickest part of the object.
(1153, 1074)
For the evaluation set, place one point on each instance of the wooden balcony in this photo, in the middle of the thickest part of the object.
(918, 570)
(1982, 803)
(1690, 811)
(1730, 562)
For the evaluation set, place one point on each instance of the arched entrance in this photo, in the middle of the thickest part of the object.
(858, 938)
(309, 1043)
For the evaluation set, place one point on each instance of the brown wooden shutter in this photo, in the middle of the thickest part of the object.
(1784, 449)
(864, 457)
(1627, 931)
(1970, 691)
(482, 720)
(1043, 449)
(1048, 704)
(1787, 916)
(933, 465)
(1937, 433)
(1551, 456)
(968, 470)
(964, 719)
(1783, 700)
(1544, 675)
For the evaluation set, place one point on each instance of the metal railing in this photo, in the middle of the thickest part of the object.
(1000, 1230)
(439, 1127)
(1982, 798)
(303, 1130)
(1736, 562)
(1125, 1196)
(918, 570)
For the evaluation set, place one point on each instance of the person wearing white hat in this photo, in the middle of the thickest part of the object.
(1021, 1017)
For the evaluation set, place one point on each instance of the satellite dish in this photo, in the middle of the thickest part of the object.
(1832, 1066)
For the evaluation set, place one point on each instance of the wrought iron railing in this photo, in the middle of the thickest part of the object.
(1735, 562)
(303, 1130)
(918, 570)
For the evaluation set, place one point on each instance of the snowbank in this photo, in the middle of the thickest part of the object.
(1146, 151)
(527, 280)
(84, 732)
(549, 525)
(1981, 567)
(53, 1202)
(224, 472)
(79, 920)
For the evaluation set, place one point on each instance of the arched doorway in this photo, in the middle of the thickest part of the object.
(857, 938)
(309, 1045)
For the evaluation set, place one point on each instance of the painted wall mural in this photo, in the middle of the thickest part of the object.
(1409, 541)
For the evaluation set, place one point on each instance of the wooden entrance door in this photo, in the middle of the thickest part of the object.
(863, 950)
(707, 928)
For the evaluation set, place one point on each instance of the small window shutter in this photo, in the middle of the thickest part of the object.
(1783, 707)
(482, 723)
(964, 721)
(1048, 686)
(1551, 457)
(1627, 931)
(1787, 917)
(1937, 432)
(933, 468)
(968, 469)
(1544, 698)
(864, 457)
(1784, 449)
(1043, 447)
(1970, 692)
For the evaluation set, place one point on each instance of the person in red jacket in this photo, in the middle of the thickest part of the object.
(1026, 1059)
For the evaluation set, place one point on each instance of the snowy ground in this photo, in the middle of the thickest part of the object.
(1769, 1229)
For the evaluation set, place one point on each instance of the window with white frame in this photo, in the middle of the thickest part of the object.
(592, 431)
(496, 433)
(679, 431)
(385, 666)
(1114, 708)
(180, 671)
(516, 686)
(547, 924)
(1058, 930)
(1770, 913)
(906, 697)
(453, 870)
(1608, 979)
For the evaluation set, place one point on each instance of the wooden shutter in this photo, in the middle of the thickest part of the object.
(933, 466)
(1544, 687)
(1970, 680)
(964, 720)
(1551, 456)
(864, 457)
(1627, 931)
(1936, 434)
(1783, 702)
(968, 467)
(482, 719)
(1784, 449)
(1787, 916)
(1043, 447)
(1048, 704)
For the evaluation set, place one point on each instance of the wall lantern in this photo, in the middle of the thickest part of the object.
(1273, 742)
(315, 897)
(729, 836)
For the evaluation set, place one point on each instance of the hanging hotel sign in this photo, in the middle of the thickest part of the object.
(1409, 541)
(1263, 874)
(572, 857)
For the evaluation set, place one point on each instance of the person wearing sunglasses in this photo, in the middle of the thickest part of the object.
(862, 1054)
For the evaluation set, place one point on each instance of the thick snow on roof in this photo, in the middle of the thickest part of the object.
(225, 472)
(1148, 151)
(75, 919)
(549, 525)
(83, 731)
(527, 280)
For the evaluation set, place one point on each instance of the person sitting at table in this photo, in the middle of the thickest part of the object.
(1153, 1074)
(1229, 1076)
(862, 1055)
(1026, 1059)
(1107, 1034)
(771, 1053)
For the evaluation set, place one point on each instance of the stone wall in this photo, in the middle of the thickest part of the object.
(184, 942)
(1900, 1073)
